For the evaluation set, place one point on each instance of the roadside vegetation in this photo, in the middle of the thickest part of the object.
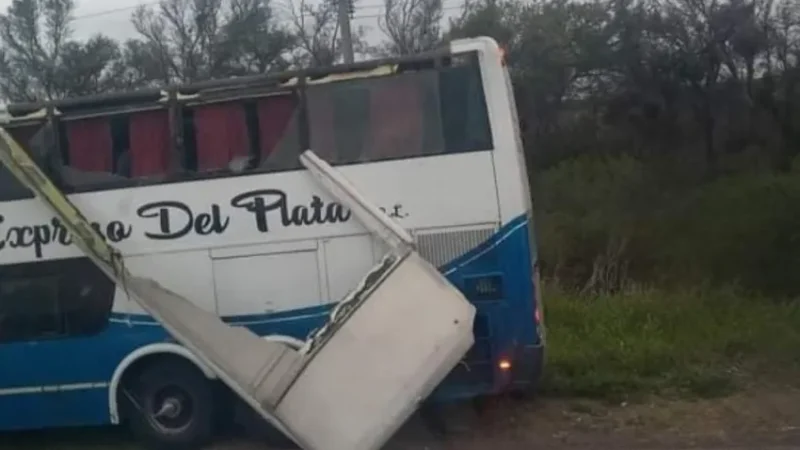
(689, 342)
(666, 289)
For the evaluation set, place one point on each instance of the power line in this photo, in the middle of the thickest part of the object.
(374, 16)
(108, 12)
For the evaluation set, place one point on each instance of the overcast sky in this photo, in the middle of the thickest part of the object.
(112, 17)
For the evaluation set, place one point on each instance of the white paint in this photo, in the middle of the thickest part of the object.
(52, 388)
(278, 282)
(368, 376)
(343, 274)
(194, 280)
(152, 349)
(264, 249)
(424, 186)
(293, 343)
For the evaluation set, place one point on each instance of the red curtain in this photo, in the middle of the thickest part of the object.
(274, 115)
(150, 143)
(396, 112)
(90, 144)
(221, 134)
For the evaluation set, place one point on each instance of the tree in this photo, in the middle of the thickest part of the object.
(412, 26)
(557, 52)
(39, 61)
(191, 40)
(777, 94)
(317, 31)
(319, 40)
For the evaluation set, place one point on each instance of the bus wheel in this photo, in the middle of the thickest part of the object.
(173, 406)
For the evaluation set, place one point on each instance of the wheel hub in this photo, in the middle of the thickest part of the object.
(170, 408)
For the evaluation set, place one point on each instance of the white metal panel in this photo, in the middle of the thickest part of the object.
(188, 274)
(347, 260)
(370, 375)
(258, 249)
(266, 283)
(220, 213)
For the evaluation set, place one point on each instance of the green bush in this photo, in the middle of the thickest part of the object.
(743, 230)
(697, 342)
(592, 215)
(604, 222)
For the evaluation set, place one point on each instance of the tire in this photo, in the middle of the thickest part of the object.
(182, 395)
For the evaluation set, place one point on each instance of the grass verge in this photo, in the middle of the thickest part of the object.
(698, 342)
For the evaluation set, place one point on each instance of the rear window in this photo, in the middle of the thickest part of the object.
(422, 113)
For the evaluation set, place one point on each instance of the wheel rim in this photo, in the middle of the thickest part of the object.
(171, 409)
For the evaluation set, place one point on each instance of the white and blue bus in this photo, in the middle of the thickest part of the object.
(200, 187)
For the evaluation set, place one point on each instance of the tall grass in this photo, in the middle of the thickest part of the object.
(699, 342)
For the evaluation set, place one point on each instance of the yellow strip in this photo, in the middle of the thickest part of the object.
(20, 164)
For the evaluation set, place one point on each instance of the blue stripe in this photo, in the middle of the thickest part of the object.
(94, 359)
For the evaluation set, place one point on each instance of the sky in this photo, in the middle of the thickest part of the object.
(112, 17)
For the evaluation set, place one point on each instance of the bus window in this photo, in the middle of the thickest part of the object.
(29, 308)
(465, 118)
(11, 188)
(321, 121)
(150, 145)
(24, 134)
(89, 148)
(222, 139)
(46, 299)
(278, 132)
(351, 120)
(396, 110)
(400, 116)
(89, 153)
(275, 113)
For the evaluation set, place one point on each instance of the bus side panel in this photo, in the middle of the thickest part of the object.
(64, 382)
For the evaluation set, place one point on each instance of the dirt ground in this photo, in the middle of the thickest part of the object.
(763, 419)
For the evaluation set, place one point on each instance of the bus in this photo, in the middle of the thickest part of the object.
(200, 187)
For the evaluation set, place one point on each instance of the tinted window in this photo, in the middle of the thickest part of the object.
(10, 188)
(235, 136)
(430, 112)
(48, 299)
(112, 151)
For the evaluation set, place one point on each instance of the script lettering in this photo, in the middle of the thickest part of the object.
(38, 236)
(176, 220)
(263, 202)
